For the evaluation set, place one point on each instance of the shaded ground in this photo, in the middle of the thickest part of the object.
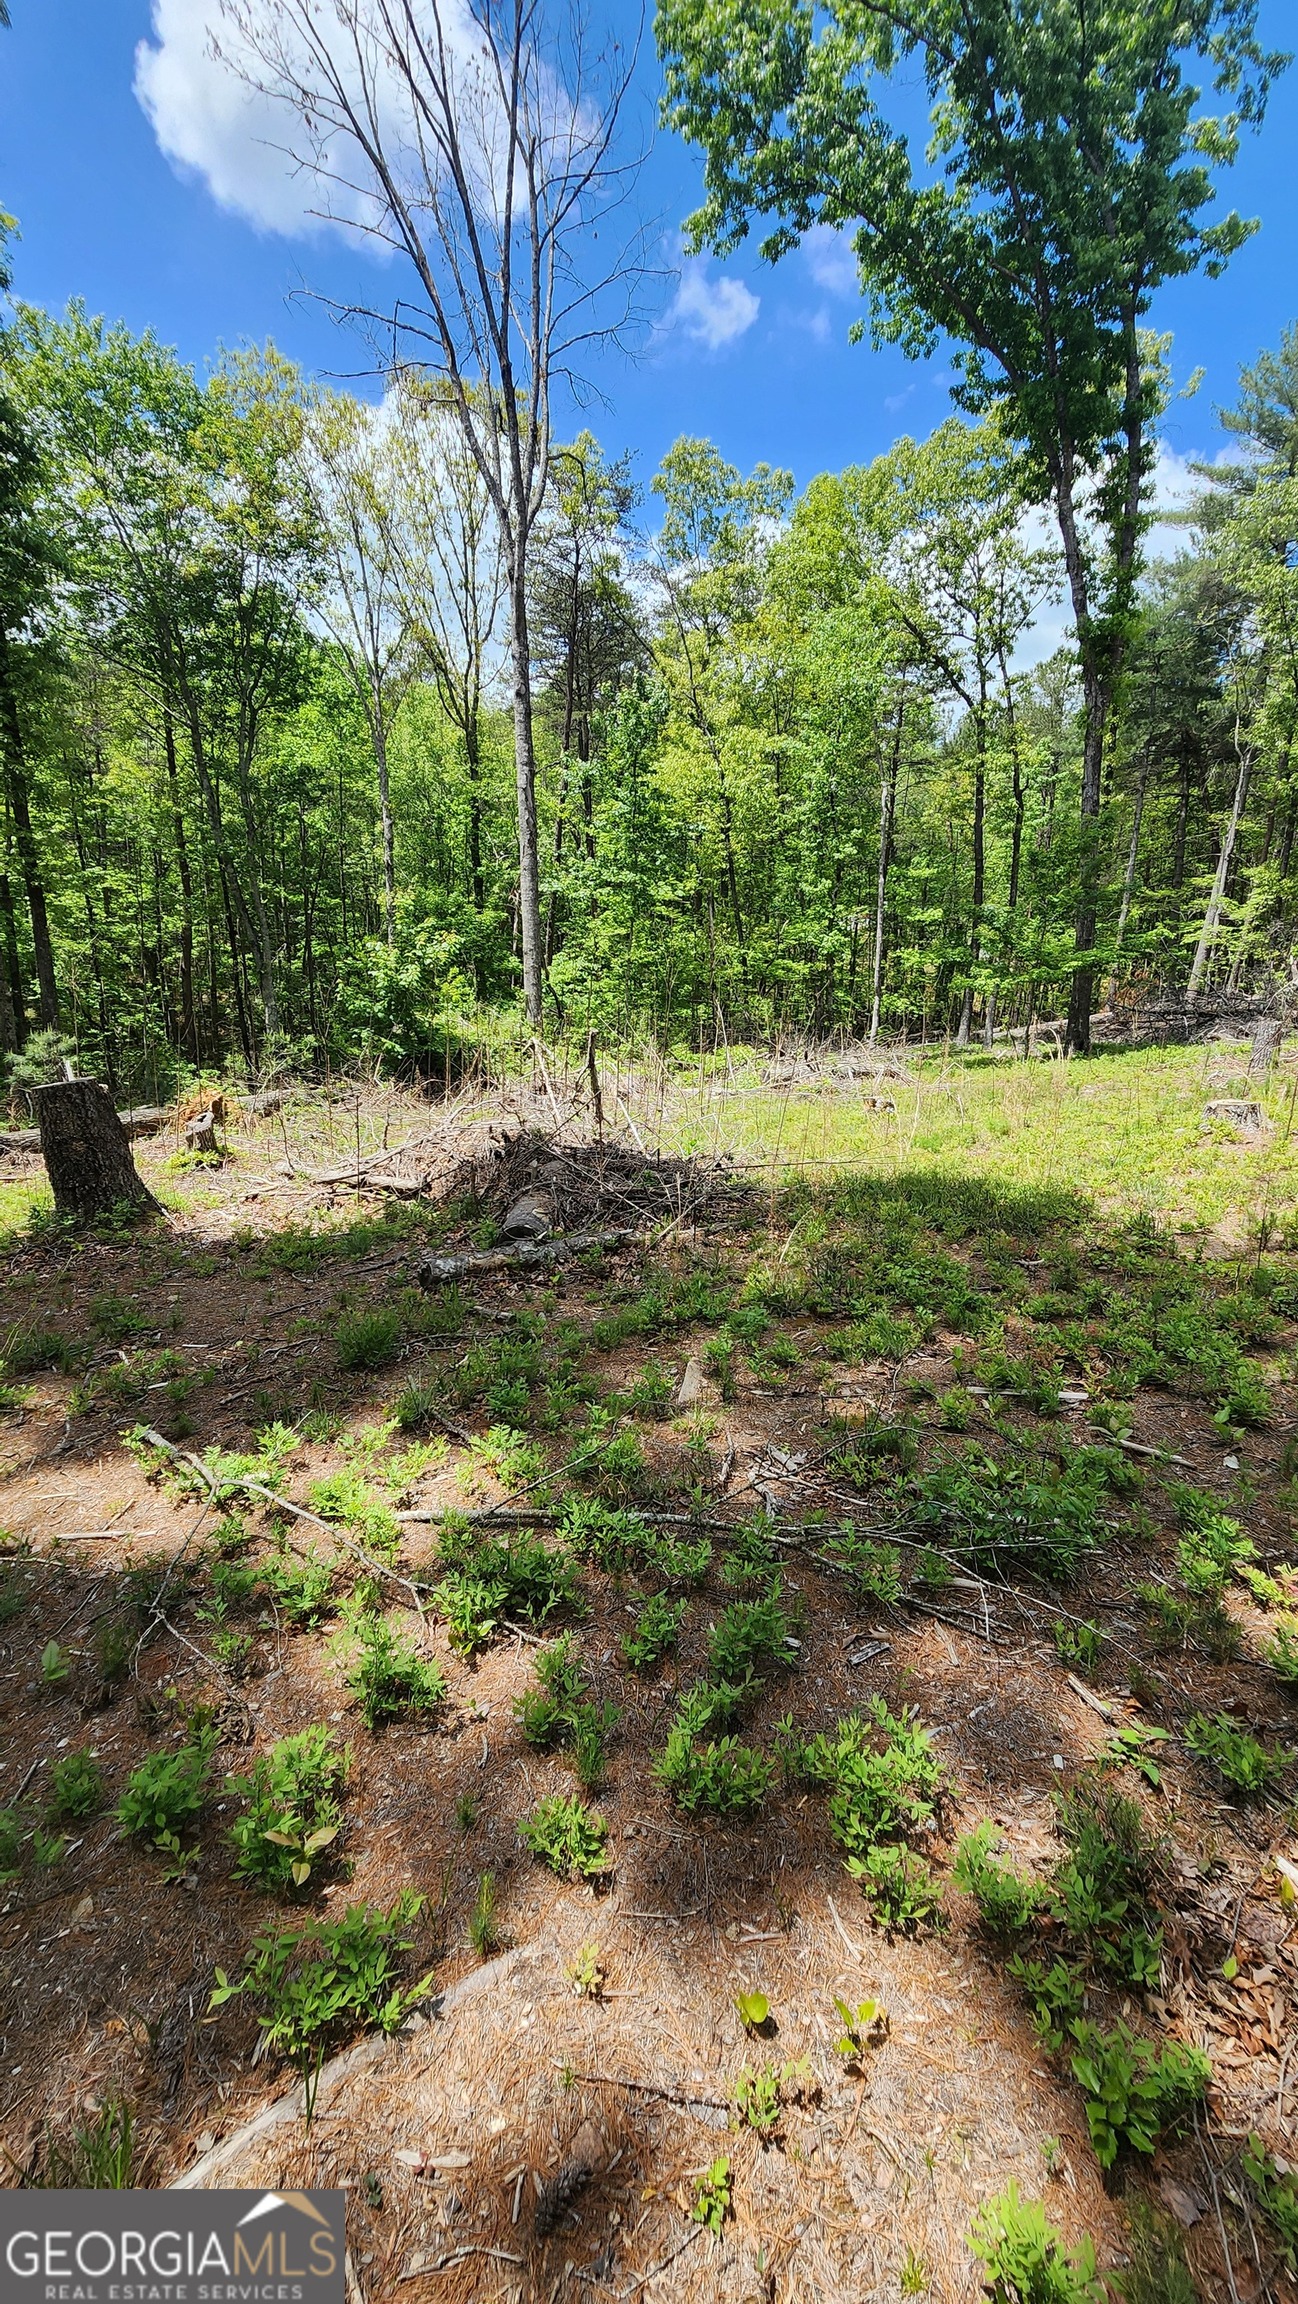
(931, 1419)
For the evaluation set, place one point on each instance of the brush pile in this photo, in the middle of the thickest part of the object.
(585, 1186)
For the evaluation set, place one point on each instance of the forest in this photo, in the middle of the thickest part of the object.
(794, 763)
(259, 785)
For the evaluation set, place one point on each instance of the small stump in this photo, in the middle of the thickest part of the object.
(1237, 1112)
(87, 1154)
(200, 1134)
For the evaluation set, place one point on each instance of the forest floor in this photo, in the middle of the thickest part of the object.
(987, 1446)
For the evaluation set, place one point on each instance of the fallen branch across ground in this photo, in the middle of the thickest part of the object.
(334, 2074)
(435, 1270)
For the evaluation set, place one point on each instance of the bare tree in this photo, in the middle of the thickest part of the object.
(451, 573)
(351, 462)
(481, 140)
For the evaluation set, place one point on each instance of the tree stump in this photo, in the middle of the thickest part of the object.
(200, 1133)
(1237, 1112)
(87, 1154)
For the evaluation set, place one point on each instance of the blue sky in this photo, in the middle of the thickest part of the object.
(756, 358)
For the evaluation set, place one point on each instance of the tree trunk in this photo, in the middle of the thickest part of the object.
(472, 758)
(529, 879)
(1217, 893)
(188, 1013)
(887, 803)
(965, 1027)
(12, 971)
(25, 841)
(1097, 695)
(380, 735)
(87, 1154)
(1129, 876)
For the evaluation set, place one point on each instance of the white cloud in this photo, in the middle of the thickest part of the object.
(209, 123)
(296, 175)
(712, 312)
(830, 261)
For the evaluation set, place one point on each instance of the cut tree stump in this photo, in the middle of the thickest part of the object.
(1237, 1112)
(200, 1132)
(87, 1155)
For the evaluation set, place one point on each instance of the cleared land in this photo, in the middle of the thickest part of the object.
(939, 1653)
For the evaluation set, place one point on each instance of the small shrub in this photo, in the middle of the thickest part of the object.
(368, 1339)
(751, 1636)
(470, 1609)
(1008, 1902)
(167, 1792)
(312, 1984)
(517, 1575)
(115, 1319)
(1078, 1645)
(931, 1571)
(1244, 1764)
(1213, 1545)
(875, 1569)
(301, 1587)
(1024, 2256)
(681, 1561)
(346, 1497)
(656, 1630)
(568, 1836)
(561, 1711)
(586, 1975)
(1133, 2094)
(757, 2100)
(900, 1886)
(761, 2095)
(863, 2026)
(651, 1393)
(883, 1776)
(1055, 1994)
(712, 2197)
(484, 1931)
(76, 1788)
(1277, 2197)
(723, 1777)
(388, 1678)
(1103, 1890)
(294, 1814)
(1281, 1652)
(751, 1561)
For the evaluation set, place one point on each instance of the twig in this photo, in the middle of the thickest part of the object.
(649, 2088)
(855, 1949)
(663, 2262)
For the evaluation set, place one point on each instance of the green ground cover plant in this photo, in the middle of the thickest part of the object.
(568, 1836)
(387, 1679)
(311, 1985)
(293, 1813)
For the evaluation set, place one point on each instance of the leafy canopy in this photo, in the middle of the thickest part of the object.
(1066, 176)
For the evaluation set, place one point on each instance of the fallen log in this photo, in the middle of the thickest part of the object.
(436, 1270)
(363, 2057)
